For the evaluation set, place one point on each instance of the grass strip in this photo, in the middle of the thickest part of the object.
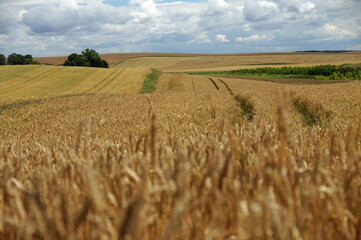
(247, 107)
(150, 81)
(312, 113)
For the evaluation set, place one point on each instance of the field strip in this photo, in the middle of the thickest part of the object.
(31, 81)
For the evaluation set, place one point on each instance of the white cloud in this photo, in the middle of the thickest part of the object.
(9, 17)
(221, 38)
(255, 11)
(251, 38)
(338, 33)
(56, 27)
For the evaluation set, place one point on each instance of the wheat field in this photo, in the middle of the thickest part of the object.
(20, 82)
(181, 163)
(179, 62)
(209, 63)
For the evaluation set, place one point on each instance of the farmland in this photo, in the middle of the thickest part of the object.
(84, 155)
(178, 62)
(17, 82)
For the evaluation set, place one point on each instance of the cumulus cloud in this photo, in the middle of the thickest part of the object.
(221, 38)
(55, 27)
(51, 18)
(251, 38)
(335, 32)
(62, 17)
(255, 11)
(9, 17)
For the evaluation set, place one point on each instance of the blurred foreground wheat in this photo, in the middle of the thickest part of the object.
(176, 166)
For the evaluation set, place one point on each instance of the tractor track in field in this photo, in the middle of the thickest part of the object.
(164, 83)
(31, 80)
(111, 80)
(193, 84)
(214, 83)
(226, 85)
(243, 102)
(106, 81)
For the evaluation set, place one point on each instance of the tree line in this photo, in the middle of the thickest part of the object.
(17, 59)
(87, 58)
(330, 72)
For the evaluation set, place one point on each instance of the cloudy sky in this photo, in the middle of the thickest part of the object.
(60, 27)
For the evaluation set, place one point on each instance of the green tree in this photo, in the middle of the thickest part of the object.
(77, 60)
(2, 59)
(16, 59)
(28, 59)
(92, 57)
(105, 64)
(88, 58)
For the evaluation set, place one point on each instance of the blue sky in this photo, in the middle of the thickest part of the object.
(60, 27)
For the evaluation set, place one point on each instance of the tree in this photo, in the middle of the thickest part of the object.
(92, 57)
(2, 59)
(75, 60)
(29, 59)
(105, 64)
(16, 59)
(88, 58)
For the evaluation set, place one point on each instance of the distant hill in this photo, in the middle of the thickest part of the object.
(186, 61)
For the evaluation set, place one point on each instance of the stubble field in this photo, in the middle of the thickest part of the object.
(97, 160)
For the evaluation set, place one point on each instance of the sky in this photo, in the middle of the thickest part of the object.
(61, 27)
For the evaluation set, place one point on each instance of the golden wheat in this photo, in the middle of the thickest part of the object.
(179, 166)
